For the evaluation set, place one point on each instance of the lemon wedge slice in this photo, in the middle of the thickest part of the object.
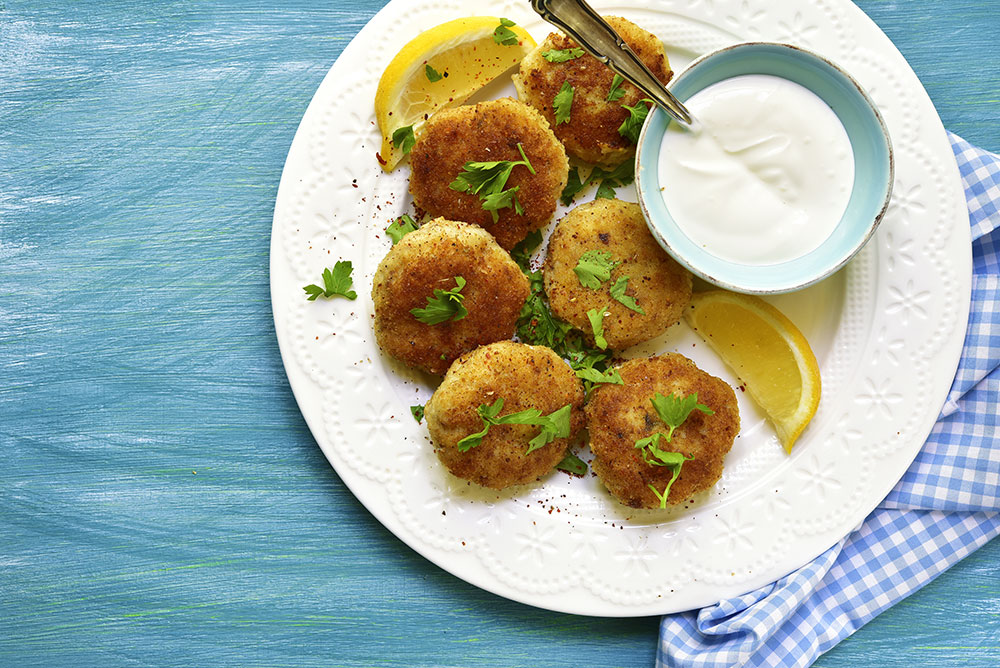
(465, 56)
(768, 353)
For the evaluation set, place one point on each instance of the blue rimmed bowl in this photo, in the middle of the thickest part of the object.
(873, 168)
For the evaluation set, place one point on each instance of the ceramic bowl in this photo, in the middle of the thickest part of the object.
(873, 168)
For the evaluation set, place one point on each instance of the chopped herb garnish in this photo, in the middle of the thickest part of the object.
(594, 268)
(444, 305)
(622, 175)
(596, 317)
(605, 191)
(573, 186)
(400, 228)
(562, 103)
(336, 282)
(432, 74)
(554, 425)
(572, 464)
(504, 35)
(562, 55)
(674, 410)
(403, 139)
(616, 93)
(487, 179)
(618, 294)
(417, 412)
(595, 377)
(654, 456)
(636, 117)
(521, 252)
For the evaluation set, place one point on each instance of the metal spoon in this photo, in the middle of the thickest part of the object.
(579, 20)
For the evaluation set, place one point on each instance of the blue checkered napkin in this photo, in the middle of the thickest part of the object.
(945, 507)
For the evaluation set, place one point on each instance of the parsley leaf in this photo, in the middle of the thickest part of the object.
(654, 456)
(622, 175)
(631, 126)
(403, 139)
(336, 282)
(674, 410)
(594, 268)
(417, 412)
(554, 425)
(444, 305)
(616, 93)
(432, 74)
(572, 464)
(618, 294)
(521, 252)
(562, 103)
(605, 191)
(593, 376)
(596, 317)
(487, 179)
(504, 35)
(562, 55)
(573, 186)
(400, 228)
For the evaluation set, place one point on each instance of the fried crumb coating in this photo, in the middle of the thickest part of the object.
(486, 132)
(659, 285)
(525, 377)
(619, 415)
(592, 132)
(429, 258)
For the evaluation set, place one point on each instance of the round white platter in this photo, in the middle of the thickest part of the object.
(887, 331)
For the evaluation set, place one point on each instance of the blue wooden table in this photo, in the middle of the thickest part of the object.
(161, 500)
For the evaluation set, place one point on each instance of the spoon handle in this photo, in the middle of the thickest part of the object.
(579, 20)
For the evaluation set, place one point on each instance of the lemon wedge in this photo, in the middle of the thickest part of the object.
(768, 353)
(465, 56)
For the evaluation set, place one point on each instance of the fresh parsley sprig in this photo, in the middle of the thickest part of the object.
(503, 34)
(488, 179)
(572, 464)
(596, 318)
(563, 102)
(444, 305)
(336, 282)
(594, 268)
(573, 186)
(616, 93)
(618, 294)
(674, 410)
(622, 175)
(554, 425)
(631, 126)
(522, 250)
(400, 228)
(562, 55)
(404, 139)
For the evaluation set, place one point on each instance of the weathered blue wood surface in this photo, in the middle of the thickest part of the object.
(161, 500)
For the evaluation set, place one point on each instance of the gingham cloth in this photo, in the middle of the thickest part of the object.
(945, 507)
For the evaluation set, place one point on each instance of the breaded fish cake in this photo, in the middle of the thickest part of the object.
(659, 286)
(525, 377)
(430, 258)
(486, 132)
(619, 415)
(592, 131)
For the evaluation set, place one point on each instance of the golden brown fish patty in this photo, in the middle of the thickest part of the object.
(525, 377)
(430, 258)
(660, 286)
(592, 131)
(486, 132)
(619, 415)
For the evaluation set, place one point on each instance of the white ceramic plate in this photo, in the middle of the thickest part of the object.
(887, 331)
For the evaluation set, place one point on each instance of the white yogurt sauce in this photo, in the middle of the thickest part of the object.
(763, 176)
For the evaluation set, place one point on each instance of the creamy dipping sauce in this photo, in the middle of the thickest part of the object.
(763, 176)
